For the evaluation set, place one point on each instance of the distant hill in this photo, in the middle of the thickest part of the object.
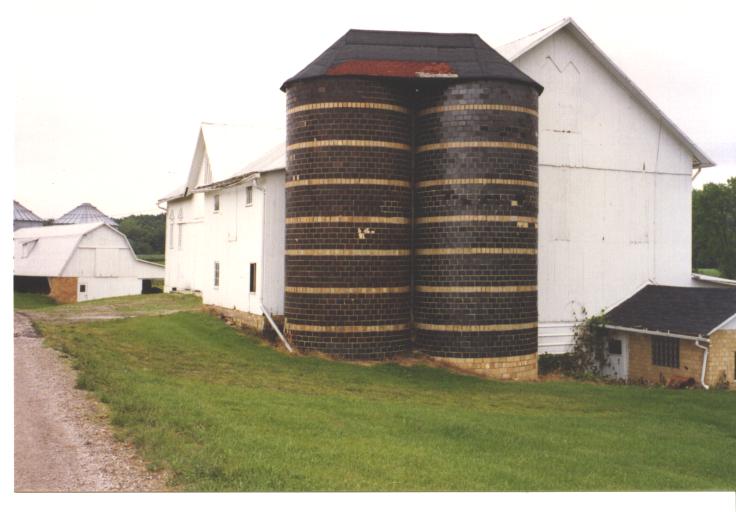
(147, 233)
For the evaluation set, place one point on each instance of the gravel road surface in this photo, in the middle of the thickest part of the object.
(62, 439)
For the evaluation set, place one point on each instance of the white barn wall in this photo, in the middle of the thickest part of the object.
(183, 255)
(102, 287)
(274, 242)
(614, 191)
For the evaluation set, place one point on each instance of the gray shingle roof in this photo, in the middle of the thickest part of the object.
(674, 309)
(83, 214)
(413, 55)
(20, 212)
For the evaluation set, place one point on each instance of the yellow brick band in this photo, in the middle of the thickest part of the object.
(347, 252)
(348, 143)
(476, 181)
(475, 289)
(348, 328)
(347, 181)
(475, 250)
(474, 218)
(476, 144)
(347, 104)
(347, 218)
(345, 291)
(478, 106)
(476, 328)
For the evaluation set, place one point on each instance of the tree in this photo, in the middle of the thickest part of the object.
(146, 233)
(714, 227)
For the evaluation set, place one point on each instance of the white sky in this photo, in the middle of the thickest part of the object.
(110, 95)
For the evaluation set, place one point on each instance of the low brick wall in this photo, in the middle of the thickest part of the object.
(63, 289)
(238, 318)
(721, 359)
(641, 367)
(522, 367)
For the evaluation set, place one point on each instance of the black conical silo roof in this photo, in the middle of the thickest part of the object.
(412, 55)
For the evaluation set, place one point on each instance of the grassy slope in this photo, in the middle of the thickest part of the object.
(31, 300)
(224, 412)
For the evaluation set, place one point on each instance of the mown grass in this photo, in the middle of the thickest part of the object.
(31, 300)
(221, 411)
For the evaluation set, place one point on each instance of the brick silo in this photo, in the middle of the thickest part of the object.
(411, 202)
(475, 228)
(348, 216)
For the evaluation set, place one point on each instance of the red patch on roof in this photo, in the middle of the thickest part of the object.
(397, 68)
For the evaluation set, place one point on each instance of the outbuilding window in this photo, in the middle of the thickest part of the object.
(248, 196)
(665, 352)
(217, 274)
(252, 278)
(217, 202)
(82, 288)
(181, 229)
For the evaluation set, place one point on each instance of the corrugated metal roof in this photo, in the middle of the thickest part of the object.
(45, 251)
(515, 49)
(20, 212)
(415, 55)
(675, 309)
(84, 214)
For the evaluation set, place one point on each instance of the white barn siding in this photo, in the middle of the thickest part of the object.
(184, 235)
(101, 287)
(614, 191)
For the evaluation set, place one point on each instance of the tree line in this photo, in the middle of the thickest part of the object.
(714, 227)
(146, 233)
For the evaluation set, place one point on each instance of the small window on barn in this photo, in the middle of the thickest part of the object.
(248, 196)
(665, 352)
(82, 288)
(252, 278)
(217, 274)
(181, 212)
(217, 202)
(614, 347)
(171, 235)
(181, 230)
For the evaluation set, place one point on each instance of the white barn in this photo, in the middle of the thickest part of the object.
(614, 197)
(79, 262)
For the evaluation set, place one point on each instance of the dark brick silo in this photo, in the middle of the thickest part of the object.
(411, 202)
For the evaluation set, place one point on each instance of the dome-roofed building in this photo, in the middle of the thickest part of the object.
(84, 214)
(24, 218)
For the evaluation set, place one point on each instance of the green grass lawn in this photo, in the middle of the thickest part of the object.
(709, 272)
(31, 300)
(155, 258)
(222, 411)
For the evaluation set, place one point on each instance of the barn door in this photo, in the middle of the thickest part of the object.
(617, 349)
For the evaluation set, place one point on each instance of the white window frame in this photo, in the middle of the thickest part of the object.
(249, 195)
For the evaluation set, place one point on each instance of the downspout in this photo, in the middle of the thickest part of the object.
(263, 270)
(705, 362)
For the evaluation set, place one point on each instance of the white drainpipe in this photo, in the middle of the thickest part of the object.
(705, 362)
(263, 270)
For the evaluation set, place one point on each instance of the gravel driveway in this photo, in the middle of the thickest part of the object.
(62, 440)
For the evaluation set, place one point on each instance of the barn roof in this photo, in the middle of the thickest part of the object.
(675, 310)
(515, 49)
(274, 160)
(85, 213)
(416, 55)
(45, 251)
(20, 212)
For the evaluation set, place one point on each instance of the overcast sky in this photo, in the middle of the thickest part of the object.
(110, 95)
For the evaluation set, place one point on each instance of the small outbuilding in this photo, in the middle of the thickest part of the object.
(78, 262)
(666, 333)
(24, 218)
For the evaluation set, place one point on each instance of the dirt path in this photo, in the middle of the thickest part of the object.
(62, 440)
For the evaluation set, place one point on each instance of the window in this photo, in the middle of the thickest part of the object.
(614, 347)
(181, 229)
(82, 288)
(217, 274)
(252, 278)
(181, 213)
(248, 196)
(217, 202)
(171, 235)
(665, 352)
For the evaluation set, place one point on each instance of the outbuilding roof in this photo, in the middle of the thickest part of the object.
(20, 212)
(516, 49)
(675, 310)
(416, 55)
(84, 214)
